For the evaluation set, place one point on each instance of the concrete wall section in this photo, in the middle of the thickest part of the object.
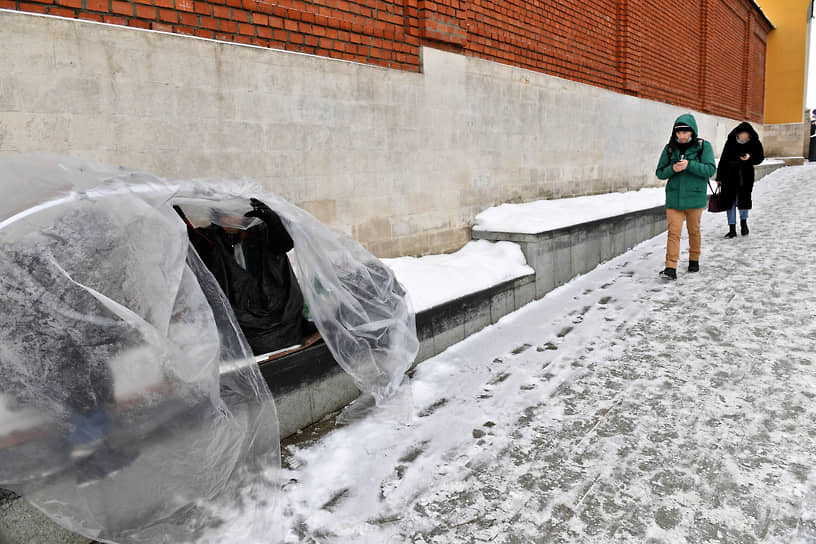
(786, 140)
(401, 161)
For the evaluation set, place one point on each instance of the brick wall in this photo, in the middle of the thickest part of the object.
(708, 55)
(369, 31)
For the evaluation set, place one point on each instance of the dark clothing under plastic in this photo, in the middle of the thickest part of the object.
(265, 297)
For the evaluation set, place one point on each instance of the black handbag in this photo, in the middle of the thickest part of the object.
(714, 200)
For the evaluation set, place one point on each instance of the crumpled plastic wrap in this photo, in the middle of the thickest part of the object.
(130, 403)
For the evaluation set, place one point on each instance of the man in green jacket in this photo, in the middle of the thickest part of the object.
(688, 163)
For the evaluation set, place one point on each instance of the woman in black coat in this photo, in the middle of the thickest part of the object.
(735, 174)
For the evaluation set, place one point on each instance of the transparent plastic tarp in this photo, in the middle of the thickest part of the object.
(130, 403)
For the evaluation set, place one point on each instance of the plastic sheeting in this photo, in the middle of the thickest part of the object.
(130, 405)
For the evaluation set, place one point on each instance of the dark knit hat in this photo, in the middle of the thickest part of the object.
(682, 126)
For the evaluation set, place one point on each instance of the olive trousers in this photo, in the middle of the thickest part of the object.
(675, 220)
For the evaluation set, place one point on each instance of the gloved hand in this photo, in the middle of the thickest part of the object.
(261, 211)
(277, 238)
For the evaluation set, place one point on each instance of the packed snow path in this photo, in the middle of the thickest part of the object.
(617, 409)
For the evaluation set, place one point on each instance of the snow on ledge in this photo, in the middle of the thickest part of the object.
(776, 160)
(545, 215)
(436, 279)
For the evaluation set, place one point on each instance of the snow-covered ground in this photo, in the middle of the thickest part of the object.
(435, 279)
(618, 409)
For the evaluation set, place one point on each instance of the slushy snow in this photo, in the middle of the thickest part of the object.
(436, 279)
(545, 215)
(617, 409)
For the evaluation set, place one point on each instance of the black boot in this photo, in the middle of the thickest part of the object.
(694, 266)
(669, 274)
(744, 227)
(732, 231)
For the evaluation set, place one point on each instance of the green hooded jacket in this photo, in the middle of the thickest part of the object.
(687, 190)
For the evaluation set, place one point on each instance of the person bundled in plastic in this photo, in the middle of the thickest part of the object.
(251, 266)
(71, 336)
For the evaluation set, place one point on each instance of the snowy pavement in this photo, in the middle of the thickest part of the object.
(616, 409)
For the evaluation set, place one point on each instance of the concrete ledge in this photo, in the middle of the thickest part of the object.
(307, 386)
(793, 161)
(442, 326)
(561, 254)
(762, 170)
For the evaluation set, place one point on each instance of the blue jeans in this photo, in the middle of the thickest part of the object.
(732, 214)
(88, 427)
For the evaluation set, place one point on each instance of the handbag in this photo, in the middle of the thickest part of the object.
(714, 202)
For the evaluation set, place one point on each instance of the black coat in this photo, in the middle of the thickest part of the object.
(266, 297)
(737, 175)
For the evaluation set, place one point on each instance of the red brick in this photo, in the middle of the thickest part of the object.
(136, 23)
(113, 20)
(168, 16)
(121, 8)
(61, 12)
(188, 19)
(98, 5)
(203, 8)
(145, 12)
(160, 27)
(85, 16)
(33, 8)
(240, 15)
(209, 23)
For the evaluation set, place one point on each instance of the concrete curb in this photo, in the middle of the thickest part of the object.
(559, 255)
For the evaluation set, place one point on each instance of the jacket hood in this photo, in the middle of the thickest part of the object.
(686, 119)
(744, 127)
